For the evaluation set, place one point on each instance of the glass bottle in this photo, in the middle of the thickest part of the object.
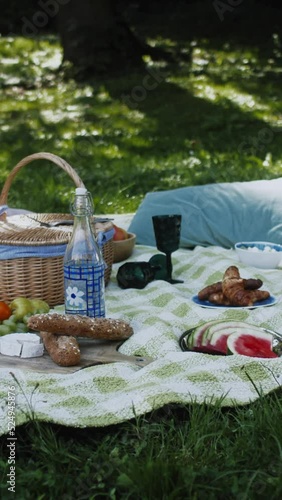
(84, 267)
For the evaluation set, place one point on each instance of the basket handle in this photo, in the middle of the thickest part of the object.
(37, 156)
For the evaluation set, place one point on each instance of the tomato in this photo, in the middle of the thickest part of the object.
(5, 311)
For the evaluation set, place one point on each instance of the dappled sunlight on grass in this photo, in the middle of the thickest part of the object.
(213, 117)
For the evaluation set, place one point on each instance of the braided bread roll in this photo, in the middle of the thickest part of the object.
(81, 326)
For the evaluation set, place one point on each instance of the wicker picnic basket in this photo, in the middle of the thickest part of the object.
(38, 275)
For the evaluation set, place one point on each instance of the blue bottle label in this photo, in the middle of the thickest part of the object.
(84, 290)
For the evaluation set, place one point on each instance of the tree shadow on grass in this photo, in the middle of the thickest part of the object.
(170, 138)
(178, 127)
(151, 130)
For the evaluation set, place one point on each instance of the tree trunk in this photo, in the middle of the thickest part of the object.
(94, 38)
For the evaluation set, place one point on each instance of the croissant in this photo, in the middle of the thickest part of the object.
(233, 289)
(220, 299)
(259, 295)
(205, 293)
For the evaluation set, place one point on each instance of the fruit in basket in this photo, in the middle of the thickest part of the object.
(5, 311)
(119, 233)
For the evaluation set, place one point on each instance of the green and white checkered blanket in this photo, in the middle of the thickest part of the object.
(159, 314)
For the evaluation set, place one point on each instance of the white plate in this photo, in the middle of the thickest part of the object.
(205, 303)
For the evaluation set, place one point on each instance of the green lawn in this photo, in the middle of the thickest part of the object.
(215, 115)
(193, 452)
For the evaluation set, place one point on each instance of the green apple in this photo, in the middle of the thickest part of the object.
(39, 306)
(20, 307)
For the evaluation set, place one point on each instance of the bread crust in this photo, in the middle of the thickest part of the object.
(81, 326)
(63, 350)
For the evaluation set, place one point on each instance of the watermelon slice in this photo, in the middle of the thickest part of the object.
(224, 325)
(195, 339)
(257, 345)
(218, 340)
(230, 337)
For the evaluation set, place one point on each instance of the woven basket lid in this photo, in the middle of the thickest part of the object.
(21, 230)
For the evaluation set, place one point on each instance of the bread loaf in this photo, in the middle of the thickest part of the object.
(81, 326)
(62, 349)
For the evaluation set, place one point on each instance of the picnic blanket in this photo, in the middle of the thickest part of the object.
(159, 314)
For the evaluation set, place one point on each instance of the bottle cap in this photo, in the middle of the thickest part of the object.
(81, 190)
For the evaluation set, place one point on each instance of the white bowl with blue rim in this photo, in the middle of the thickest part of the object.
(262, 254)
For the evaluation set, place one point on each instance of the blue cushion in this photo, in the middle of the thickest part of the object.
(216, 214)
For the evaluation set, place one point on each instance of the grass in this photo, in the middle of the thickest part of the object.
(215, 115)
(212, 116)
(177, 452)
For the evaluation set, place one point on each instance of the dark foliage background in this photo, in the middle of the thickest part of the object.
(255, 18)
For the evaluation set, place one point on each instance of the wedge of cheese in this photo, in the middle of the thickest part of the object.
(23, 345)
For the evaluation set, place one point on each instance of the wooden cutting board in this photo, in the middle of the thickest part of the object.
(93, 352)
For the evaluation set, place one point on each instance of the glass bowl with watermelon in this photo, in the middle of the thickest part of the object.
(261, 254)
